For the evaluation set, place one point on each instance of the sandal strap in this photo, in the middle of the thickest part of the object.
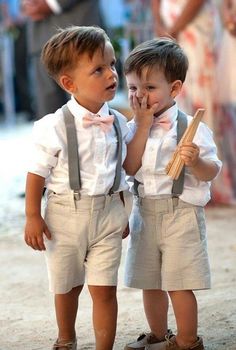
(58, 346)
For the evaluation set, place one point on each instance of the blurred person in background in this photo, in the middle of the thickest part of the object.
(194, 25)
(224, 188)
(45, 16)
(14, 26)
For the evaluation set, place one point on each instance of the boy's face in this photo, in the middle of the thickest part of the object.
(153, 84)
(94, 80)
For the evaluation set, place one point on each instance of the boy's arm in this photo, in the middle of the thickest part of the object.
(143, 117)
(135, 150)
(203, 169)
(35, 226)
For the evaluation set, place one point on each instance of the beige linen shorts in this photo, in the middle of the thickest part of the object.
(167, 248)
(86, 240)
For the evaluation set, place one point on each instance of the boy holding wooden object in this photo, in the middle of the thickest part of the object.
(167, 251)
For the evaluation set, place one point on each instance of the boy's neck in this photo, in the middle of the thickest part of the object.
(164, 109)
(93, 109)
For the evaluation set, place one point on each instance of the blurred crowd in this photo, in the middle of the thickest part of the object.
(206, 29)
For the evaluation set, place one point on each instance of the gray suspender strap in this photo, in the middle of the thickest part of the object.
(178, 185)
(182, 124)
(135, 187)
(72, 146)
(116, 183)
(73, 156)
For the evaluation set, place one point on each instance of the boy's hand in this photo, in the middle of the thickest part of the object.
(189, 153)
(34, 230)
(143, 115)
(125, 232)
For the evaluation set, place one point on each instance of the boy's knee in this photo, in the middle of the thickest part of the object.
(103, 294)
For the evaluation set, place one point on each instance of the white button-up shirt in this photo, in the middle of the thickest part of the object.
(97, 152)
(159, 149)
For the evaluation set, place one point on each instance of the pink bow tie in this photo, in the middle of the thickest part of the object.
(163, 122)
(105, 123)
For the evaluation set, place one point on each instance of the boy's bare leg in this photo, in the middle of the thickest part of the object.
(66, 310)
(185, 308)
(156, 304)
(104, 315)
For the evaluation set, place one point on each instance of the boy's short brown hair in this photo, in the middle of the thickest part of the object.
(61, 51)
(163, 54)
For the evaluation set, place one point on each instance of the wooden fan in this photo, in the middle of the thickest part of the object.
(175, 165)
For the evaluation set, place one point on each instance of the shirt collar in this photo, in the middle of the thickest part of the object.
(79, 111)
(170, 113)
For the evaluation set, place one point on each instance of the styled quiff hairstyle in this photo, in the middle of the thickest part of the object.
(163, 54)
(60, 53)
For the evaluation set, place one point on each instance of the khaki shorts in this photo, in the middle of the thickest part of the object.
(86, 240)
(167, 248)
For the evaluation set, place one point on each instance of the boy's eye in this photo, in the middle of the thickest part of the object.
(98, 70)
(113, 64)
(150, 88)
(132, 88)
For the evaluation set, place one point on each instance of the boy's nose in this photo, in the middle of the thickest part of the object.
(139, 94)
(112, 73)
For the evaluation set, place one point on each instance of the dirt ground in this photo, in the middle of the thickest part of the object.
(27, 320)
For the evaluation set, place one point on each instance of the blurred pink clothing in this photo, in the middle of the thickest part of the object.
(198, 40)
(224, 187)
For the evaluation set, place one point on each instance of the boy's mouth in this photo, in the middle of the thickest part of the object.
(112, 86)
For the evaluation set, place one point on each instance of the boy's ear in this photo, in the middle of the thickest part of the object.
(176, 87)
(66, 82)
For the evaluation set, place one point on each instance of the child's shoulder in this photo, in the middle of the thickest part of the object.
(50, 120)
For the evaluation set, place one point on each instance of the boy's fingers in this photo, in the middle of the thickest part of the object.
(34, 244)
(131, 101)
(47, 233)
(125, 232)
(154, 107)
(144, 102)
(135, 102)
(28, 241)
(40, 243)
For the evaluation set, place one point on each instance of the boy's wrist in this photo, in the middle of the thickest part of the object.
(195, 164)
(142, 128)
(32, 215)
(144, 124)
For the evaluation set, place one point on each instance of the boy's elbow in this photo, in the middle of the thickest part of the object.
(210, 173)
(131, 167)
(216, 170)
(129, 170)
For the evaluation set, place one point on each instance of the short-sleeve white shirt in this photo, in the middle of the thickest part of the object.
(97, 152)
(159, 149)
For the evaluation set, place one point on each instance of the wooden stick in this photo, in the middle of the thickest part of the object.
(175, 165)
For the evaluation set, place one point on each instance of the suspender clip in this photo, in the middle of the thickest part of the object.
(77, 195)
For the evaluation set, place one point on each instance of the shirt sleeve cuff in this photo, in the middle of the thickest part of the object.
(54, 6)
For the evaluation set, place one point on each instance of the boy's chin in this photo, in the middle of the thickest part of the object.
(110, 95)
